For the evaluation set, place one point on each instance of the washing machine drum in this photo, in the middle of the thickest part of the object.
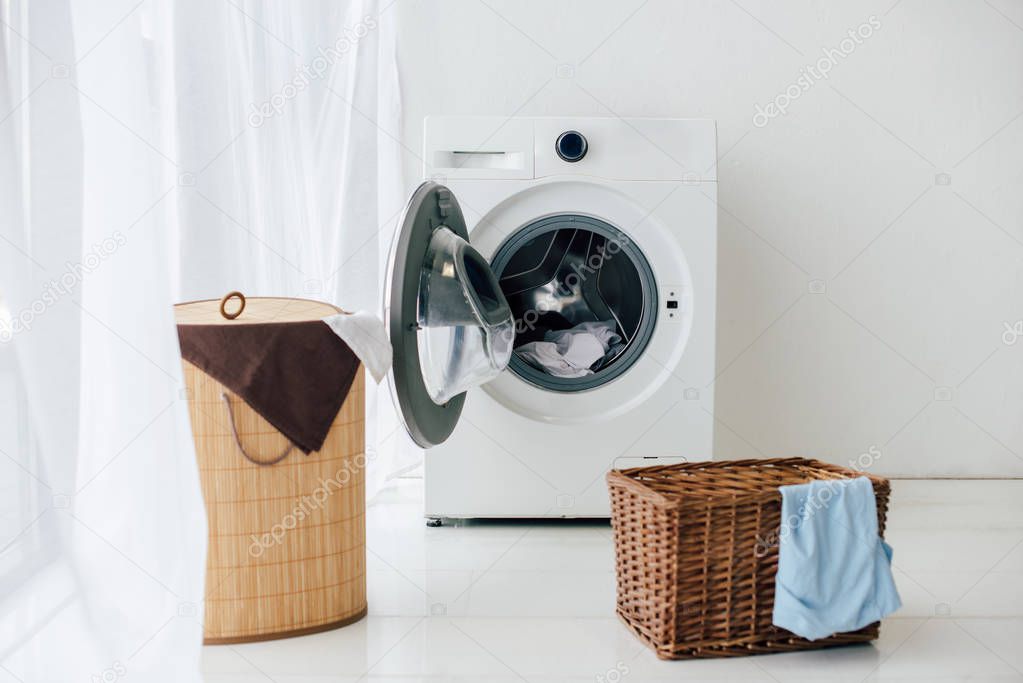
(449, 323)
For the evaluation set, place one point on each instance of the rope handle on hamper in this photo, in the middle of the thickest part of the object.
(234, 430)
(228, 297)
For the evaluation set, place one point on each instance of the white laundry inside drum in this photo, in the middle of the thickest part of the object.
(575, 352)
(584, 301)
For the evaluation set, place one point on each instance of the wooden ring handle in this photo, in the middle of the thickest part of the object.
(228, 297)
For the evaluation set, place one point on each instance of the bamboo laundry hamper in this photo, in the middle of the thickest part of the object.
(696, 555)
(287, 551)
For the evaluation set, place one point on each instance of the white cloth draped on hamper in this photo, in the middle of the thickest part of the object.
(366, 336)
(132, 176)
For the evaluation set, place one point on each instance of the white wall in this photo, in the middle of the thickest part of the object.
(919, 275)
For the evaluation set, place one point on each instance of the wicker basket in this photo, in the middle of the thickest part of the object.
(287, 541)
(696, 554)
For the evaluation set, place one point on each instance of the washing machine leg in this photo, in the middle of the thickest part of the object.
(434, 521)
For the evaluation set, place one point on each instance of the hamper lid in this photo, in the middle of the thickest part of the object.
(277, 355)
(258, 309)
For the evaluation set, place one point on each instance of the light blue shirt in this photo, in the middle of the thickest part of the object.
(834, 571)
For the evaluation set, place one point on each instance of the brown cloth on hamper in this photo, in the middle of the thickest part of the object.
(296, 374)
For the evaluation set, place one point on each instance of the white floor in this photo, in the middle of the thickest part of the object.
(535, 602)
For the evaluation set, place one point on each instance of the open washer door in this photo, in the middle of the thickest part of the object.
(449, 323)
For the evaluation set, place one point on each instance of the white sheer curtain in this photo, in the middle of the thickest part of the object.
(138, 167)
(106, 550)
(288, 120)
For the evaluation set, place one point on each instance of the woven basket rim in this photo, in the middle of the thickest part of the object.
(632, 479)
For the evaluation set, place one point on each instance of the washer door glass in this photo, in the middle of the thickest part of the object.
(465, 330)
(449, 322)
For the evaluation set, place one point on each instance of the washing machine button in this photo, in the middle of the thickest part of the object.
(571, 146)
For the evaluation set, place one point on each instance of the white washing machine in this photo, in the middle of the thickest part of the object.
(528, 227)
